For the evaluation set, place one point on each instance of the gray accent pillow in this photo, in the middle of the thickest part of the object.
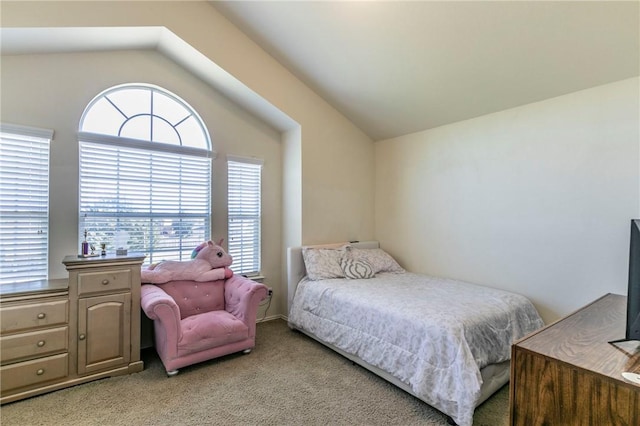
(380, 260)
(356, 269)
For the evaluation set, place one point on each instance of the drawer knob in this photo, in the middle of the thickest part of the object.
(105, 281)
(40, 372)
(41, 343)
(41, 315)
(82, 337)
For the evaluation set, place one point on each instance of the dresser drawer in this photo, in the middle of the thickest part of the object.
(41, 314)
(33, 344)
(104, 281)
(33, 372)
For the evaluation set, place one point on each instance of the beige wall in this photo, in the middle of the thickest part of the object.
(324, 132)
(52, 90)
(327, 163)
(535, 199)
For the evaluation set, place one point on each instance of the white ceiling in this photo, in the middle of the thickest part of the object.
(395, 68)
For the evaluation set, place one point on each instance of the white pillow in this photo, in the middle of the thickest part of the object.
(356, 269)
(323, 263)
(379, 259)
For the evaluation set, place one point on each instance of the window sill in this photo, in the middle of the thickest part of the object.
(256, 278)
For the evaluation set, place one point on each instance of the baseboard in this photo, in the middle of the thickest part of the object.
(271, 318)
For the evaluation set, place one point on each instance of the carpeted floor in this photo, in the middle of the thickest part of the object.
(288, 379)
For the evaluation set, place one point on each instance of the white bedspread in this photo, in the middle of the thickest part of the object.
(433, 334)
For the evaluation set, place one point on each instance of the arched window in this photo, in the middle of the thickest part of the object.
(145, 173)
(145, 112)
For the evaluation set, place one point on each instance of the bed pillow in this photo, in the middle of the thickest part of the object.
(355, 269)
(323, 263)
(380, 260)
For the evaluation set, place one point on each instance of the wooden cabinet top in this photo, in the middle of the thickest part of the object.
(72, 262)
(38, 288)
(582, 339)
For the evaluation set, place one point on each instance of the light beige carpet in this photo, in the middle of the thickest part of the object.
(288, 379)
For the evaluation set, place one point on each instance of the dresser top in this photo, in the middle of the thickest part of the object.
(36, 288)
(72, 261)
(582, 339)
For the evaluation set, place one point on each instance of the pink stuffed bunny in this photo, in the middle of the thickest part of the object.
(211, 263)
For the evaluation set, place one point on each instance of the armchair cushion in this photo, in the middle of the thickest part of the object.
(210, 329)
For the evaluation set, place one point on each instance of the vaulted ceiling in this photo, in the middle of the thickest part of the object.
(395, 68)
(398, 67)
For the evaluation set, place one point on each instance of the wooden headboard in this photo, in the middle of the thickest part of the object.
(296, 270)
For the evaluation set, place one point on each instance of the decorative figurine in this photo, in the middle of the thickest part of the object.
(85, 245)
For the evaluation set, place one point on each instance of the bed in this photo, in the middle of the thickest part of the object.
(446, 342)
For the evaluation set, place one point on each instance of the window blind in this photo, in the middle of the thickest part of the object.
(244, 214)
(160, 199)
(24, 203)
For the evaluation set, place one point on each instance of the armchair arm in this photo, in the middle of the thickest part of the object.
(242, 297)
(159, 306)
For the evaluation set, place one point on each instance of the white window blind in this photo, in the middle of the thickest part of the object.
(160, 198)
(24, 203)
(244, 211)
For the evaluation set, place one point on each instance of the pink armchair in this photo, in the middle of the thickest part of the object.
(197, 321)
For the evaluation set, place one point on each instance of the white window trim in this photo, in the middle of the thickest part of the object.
(250, 160)
(259, 162)
(166, 152)
(45, 136)
(35, 132)
(142, 144)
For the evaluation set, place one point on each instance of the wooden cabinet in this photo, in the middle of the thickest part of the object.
(105, 298)
(60, 333)
(104, 333)
(568, 374)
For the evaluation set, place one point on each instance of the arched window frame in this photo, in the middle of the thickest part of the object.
(150, 210)
(131, 114)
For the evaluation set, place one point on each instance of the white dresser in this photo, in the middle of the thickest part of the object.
(59, 333)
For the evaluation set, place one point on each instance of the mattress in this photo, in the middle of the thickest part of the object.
(433, 335)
